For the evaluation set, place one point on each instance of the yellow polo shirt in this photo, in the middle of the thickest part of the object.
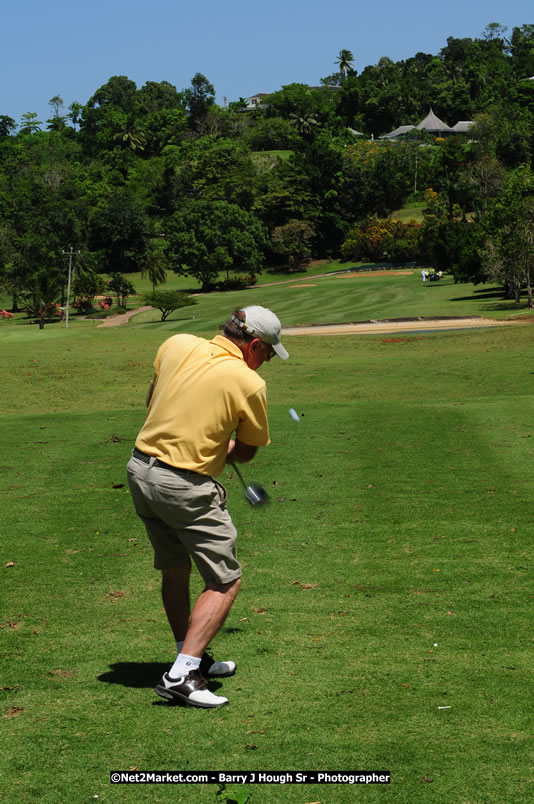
(203, 392)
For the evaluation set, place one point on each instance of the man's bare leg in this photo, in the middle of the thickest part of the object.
(208, 615)
(175, 596)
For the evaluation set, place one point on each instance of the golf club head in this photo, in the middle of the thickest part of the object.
(256, 494)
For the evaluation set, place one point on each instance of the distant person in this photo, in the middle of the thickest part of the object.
(423, 275)
(206, 407)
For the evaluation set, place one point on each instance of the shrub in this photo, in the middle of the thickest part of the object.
(239, 282)
(380, 239)
(121, 288)
(292, 243)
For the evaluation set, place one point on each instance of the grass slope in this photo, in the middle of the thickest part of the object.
(316, 296)
(387, 578)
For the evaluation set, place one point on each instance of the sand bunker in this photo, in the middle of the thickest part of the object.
(302, 285)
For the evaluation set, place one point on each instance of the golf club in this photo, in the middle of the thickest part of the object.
(255, 494)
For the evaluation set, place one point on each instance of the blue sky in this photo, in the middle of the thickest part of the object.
(70, 48)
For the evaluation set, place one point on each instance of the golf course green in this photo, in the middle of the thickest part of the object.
(384, 622)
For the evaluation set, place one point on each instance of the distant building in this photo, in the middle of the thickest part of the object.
(255, 101)
(432, 125)
(462, 126)
(398, 132)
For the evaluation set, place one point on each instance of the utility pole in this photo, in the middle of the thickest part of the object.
(70, 253)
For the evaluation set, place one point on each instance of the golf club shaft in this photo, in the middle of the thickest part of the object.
(240, 476)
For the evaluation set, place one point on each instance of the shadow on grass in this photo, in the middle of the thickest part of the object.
(134, 674)
(481, 293)
(145, 675)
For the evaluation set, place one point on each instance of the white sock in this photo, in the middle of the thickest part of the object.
(183, 665)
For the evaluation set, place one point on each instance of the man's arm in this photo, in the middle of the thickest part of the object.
(238, 452)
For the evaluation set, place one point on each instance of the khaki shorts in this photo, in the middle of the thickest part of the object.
(185, 515)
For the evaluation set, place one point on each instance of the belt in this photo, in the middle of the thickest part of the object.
(147, 458)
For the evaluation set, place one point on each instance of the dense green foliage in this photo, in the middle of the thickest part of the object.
(133, 177)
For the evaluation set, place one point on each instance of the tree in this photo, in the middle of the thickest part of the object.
(86, 286)
(345, 62)
(454, 247)
(292, 243)
(508, 256)
(485, 177)
(7, 125)
(206, 237)
(198, 98)
(111, 110)
(154, 264)
(213, 168)
(379, 240)
(56, 103)
(120, 230)
(167, 301)
(41, 296)
(75, 112)
(134, 139)
(522, 49)
(121, 288)
(306, 124)
(29, 123)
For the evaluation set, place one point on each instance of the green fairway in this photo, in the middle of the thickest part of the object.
(317, 296)
(384, 618)
(322, 298)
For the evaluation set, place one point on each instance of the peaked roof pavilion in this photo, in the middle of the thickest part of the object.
(398, 132)
(433, 123)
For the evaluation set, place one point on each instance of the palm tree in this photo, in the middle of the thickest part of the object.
(135, 139)
(153, 267)
(345, 61)
(42, 294)
(306, 124)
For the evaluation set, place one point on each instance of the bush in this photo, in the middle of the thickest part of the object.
(121, 288)
(292, 243)
(379, 239)
(239, 282)
(86, 286)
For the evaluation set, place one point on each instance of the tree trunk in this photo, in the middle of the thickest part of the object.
(15, 305)
(509, 290)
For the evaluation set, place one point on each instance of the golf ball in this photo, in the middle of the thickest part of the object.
(294, 415)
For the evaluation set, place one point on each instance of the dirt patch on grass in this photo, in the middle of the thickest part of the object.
(307, 285)
(375, 273)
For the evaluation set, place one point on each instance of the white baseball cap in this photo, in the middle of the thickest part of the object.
(263, 324)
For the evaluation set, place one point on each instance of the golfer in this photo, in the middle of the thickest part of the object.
(206, 407)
